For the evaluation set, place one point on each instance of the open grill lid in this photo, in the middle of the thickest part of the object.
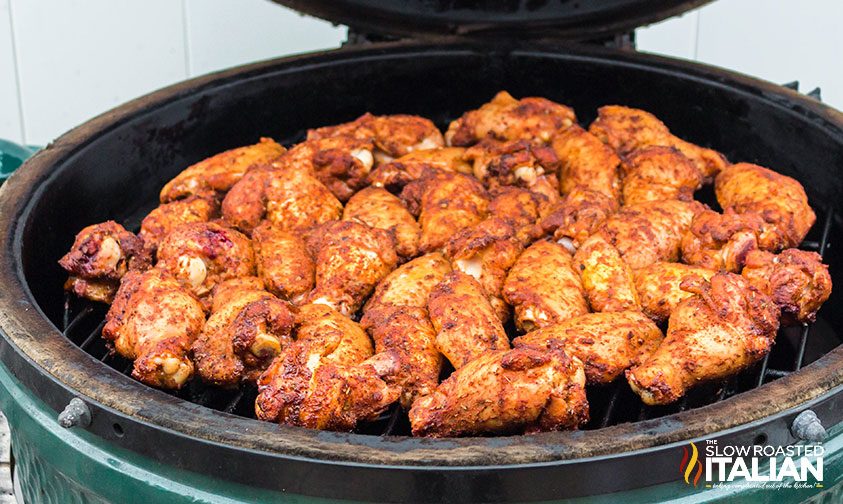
(559, 19)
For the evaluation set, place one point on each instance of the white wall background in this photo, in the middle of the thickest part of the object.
(64, 61)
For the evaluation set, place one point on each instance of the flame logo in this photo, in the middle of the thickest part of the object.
(686, 467)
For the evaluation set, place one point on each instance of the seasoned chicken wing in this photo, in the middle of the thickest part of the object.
(465, 321)
(100, 256)
(726, 327)
(162, 220)
(797, 280)
(606, 277)
(517, 163)
(606, 343)
(780, 200)
(543, 287)
(283, 262)
(326, 378)
(380, 209)
(154, 321)
(506, 391)
(229, 290)
(580, 213)
(586, 163)
(658, 287)
(393, 176)
(351, 258)
(722, 241)
(202, 254)
(393, 135)
(409, 285)
(505, 118)
(242, 337)
(445, 204)
(650, 232)
(521, 209)
(486, 251)
(659, 173)
(217, 174)
(627, 129)
(342, 163)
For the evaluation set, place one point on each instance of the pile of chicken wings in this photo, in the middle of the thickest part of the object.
(480, 278)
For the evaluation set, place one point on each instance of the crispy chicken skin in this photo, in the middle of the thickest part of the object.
(323, 380)
(342, 163)
(466, 324)
(229, 290)
(165, 218)
(580, 213)
(658, 287)
(722, 241)
(797, 280)
(650, 232)
(486, 251)
(380, 209)
(659, 173)
(154, 321)
(393, 176)
(242, 337)
(445, 203)
(505, 118)
(520, 208)
(244, 206)
(543, 287)
(606, 343)
(780, 200)
(283, 262)
(725, 327)
(100, 256)
(408, 285)
(517, 163)
(506, 391)
(351, 258)
(627, 129)
(606, 278)
(393, 135)
(217, 174)
(587, 163)
(202, 254)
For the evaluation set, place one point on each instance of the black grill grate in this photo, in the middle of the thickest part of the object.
(610, 405)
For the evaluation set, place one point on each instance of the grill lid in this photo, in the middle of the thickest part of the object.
(558, 19)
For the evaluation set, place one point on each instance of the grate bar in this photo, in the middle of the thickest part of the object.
(763, 373)
(232, 405)
(82, 315)
(610, 408)
(97, 332)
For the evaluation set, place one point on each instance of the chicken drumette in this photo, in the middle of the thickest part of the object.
(658, 287)
(724, 328)
(167, 217)
(342, 163)
(394, 175)
(519, 163)
(154, 322)
(283, 262)
(506, 391)
(520, 208)
(580, 213)
(380, 209)
(100, 256)
(659, 173)
(586, 163)
(606, 277)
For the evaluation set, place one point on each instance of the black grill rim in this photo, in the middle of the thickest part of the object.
(56, 370)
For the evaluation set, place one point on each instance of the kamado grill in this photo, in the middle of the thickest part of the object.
(133, 443)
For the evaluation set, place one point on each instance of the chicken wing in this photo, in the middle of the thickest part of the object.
(515, 164)
(587, 163)
(505, 118)
(217, 174)
(229, 290)
(506, 391)
(154, 321)
(242, 337)
(202, 254)
(658, 287)
(409, 285)
(724, 328)
(165, 218)
(650, 232)
(445, 203)
(627, 129)
(342, 163)
(780, 200)
(351, 258)
(797, 280)
(722, 241)
(380, 209)
(393, 135)
(283, 262)
(606, 343)
(580, 213)
(100, 256)
(393, 176)
(543, 287)
(521, 209)
(659, 173)
(323, 380)
(606, 278)
(465, 321)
